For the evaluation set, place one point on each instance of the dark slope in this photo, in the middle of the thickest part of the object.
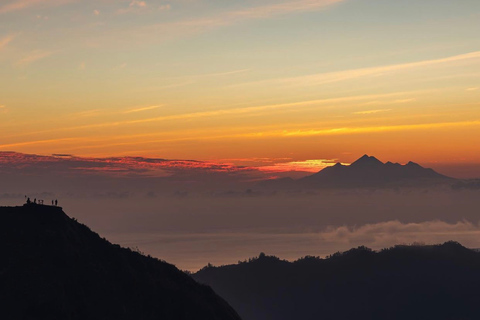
(405, 282)
(370, 172)
(52, 267)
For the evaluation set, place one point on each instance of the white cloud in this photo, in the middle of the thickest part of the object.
(385, 234)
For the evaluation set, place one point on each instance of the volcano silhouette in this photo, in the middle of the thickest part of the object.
(368, 171)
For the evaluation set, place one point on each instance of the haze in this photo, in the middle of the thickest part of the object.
(154, 121)
(191, 213)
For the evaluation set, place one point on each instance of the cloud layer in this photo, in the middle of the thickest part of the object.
(258, 12)
(16, 5)
(232, 247)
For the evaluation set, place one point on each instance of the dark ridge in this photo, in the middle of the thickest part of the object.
(365, 172)
(404, 282)
(56, 268)
(368, 171)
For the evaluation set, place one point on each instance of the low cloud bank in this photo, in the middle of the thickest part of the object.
(193, 251)
(384, 234)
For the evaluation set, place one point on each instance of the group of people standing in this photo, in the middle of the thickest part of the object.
(54, 202)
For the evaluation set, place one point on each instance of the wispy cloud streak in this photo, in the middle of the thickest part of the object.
(233, 17)
(244, 110)
(366, 112)
(33, 57)
(339, 76)
(281, 8)
(358, 73)
(25, 4)
(5, 41)
(202, 136)
(232, 112)
(68, 164)
(135, 110)
(359, 130)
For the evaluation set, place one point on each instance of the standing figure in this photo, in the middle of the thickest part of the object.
(56, 202)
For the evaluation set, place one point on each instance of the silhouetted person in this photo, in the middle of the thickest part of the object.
(28, 200)
(56, 202)
(35, 201)
(52, 202)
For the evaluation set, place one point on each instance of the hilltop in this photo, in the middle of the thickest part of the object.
(404, 282)
(56, 268)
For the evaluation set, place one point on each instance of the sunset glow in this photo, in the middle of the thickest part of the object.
(203, 81)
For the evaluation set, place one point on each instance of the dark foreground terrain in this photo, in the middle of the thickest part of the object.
(404, 282)
(52, 267)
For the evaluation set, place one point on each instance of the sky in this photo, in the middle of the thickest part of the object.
(235, 81)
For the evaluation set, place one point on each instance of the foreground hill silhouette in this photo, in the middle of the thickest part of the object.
(365, 172)
(53, 267)
(405, 282)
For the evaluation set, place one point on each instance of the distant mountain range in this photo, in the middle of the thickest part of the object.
(53, 267)
(367, 171)
(440, 282)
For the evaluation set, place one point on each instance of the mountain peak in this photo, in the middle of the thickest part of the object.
(367, 160)
(413, 164)
(368, 171)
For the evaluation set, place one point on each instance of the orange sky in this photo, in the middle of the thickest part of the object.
(296, 81)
